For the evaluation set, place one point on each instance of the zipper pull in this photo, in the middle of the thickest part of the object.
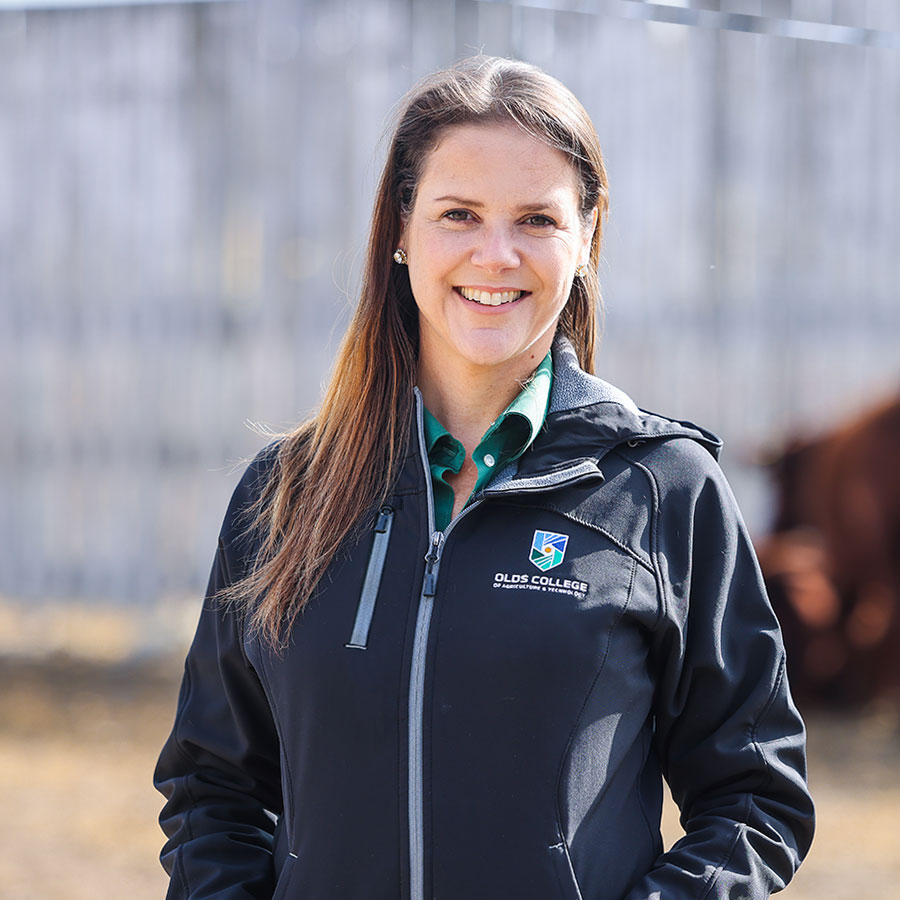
(385, 514)
(432, 558)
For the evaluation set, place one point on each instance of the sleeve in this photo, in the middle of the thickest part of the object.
(730, 740)
(220, 767)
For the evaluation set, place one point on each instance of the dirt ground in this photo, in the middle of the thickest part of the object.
(78, 742)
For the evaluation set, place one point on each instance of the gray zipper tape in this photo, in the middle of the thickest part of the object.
(360, 637)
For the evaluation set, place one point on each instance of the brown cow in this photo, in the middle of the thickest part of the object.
(833, 562)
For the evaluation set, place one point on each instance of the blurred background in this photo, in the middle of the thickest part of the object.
(185, 190)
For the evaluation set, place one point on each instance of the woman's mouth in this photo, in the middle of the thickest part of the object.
(490, 298)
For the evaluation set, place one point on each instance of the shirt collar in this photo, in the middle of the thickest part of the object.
(514, 430)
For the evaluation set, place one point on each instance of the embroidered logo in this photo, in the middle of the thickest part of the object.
(548, 549)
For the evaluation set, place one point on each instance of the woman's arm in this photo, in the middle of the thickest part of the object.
(219, 769)
(731, 743)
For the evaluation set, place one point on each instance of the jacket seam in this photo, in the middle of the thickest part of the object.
(575, 725)
(179, 862)
(179, 745)
(179, 857)
(740, 827)
(757, 722)
(239, 616)
(287, 786)
(654, 532)
(633, 554)
(565, 888)
(653, 833)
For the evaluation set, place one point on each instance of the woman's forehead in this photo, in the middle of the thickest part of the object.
(496, 158)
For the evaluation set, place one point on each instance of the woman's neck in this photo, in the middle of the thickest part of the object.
(466, 399)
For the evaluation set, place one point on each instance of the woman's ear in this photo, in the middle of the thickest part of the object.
(588, 236)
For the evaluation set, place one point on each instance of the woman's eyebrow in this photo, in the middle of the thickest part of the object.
(539, 206)
(546, 206)
(462, 201)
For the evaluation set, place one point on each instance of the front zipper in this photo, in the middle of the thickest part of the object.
(416, 724)
(416, 810)
(360, 636)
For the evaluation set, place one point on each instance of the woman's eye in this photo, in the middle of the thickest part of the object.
(458, 215)
(539, 221)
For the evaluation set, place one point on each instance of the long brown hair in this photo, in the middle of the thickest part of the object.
(334, 469)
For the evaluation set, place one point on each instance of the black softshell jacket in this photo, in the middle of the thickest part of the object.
(487, 712)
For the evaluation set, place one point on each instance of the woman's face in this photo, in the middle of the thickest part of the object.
(493, 240)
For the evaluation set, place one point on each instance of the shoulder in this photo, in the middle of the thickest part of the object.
(258, 471)
(676, 462)
(692, 499)
(237, 534)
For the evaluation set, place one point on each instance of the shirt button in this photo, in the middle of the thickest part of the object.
(489, 460)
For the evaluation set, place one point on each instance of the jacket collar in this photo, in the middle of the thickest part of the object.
(612, 411)
(573, 387)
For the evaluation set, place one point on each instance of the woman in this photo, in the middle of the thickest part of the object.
(482, 603)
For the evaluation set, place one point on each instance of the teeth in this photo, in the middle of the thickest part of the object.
(486, 298)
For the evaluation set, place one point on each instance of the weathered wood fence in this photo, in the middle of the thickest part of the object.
(184, 193)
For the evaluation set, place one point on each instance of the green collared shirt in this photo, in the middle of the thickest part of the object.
(511, 434)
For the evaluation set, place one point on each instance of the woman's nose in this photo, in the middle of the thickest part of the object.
(496, 249)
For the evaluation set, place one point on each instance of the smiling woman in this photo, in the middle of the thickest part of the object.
(492, 251)
(525, 601)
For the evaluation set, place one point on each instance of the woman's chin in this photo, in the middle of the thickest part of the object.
(468, 346)
(491, 350)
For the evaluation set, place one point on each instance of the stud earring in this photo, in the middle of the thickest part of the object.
(400, 256)
(581, 270)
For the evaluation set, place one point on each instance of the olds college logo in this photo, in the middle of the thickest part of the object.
(548, 549)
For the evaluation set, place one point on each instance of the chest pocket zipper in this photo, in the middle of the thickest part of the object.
(359, 638)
